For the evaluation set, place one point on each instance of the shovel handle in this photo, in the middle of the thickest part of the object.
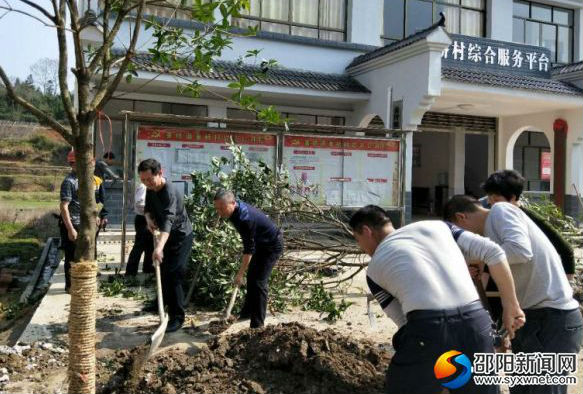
(158, 280)
(231, 303)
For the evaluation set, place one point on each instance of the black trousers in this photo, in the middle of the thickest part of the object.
(144, 243)
(176, 255)
(260, 268)
(548, 330)
(429, 334)
(68, 247)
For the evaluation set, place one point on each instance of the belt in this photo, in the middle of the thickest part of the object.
(436, 313)
(545, 313)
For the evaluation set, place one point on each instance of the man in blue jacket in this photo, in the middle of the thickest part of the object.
(262, 247)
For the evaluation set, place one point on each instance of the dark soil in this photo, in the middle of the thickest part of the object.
(287, 358)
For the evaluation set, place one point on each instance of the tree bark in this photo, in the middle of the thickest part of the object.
(85, 247)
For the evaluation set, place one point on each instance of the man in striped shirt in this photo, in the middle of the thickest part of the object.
(419, 275)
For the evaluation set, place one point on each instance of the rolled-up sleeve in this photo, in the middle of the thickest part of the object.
(66, 191)
(476, 247)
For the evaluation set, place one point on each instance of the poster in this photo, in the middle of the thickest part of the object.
(545, 166)
(183, 151)
(349, 172)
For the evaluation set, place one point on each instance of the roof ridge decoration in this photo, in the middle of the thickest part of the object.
(411, 39)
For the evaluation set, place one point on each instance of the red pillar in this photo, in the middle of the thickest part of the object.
(560, 128)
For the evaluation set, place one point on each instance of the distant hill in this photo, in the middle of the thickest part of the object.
(32, 157)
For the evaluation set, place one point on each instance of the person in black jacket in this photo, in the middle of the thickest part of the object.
(262, 247)
(164, 211)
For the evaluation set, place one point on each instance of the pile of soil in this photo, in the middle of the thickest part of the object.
(287, 358)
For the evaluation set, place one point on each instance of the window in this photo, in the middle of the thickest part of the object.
(323, 19)
(235, 113)
(529, 151)
(314, 119)
(402, 18)
(546, 26)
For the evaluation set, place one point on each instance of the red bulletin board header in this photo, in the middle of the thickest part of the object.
(153, 133)
(293, 141)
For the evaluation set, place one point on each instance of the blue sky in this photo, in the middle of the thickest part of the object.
(24, 40)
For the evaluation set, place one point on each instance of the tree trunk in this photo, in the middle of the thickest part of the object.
(85, 247)
(83, 272)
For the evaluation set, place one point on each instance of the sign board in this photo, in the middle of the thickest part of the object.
(349, 172)
(491, 55)
(545, 166)
(182, 151)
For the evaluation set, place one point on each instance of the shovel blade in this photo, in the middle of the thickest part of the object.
(158, 336)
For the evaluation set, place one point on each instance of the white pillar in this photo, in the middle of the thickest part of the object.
(457, 162)
(364, 21)
(499, 20)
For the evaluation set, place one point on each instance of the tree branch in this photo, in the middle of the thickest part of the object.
(8, 8)
(103, 95)
(60, 17)
(106, 45)
(41, 115)
(40, 9)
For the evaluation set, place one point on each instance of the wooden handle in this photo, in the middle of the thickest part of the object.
(158, 280)
(231, 303)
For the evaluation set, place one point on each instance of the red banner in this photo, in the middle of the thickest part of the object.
(545, 166)
(340, 143)
(154, 133)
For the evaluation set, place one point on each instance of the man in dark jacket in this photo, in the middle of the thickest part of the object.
(70, 218)
(262, 247)
(164, 211)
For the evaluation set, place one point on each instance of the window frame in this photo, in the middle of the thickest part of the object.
(291, 24)
(556, 26)
(434, 4)
(539, 150)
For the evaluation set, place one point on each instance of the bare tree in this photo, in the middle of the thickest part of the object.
(45, 73)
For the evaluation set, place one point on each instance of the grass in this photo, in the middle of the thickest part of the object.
(18, 239)
(29, 196)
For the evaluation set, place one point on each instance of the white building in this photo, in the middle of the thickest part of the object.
(492, 89)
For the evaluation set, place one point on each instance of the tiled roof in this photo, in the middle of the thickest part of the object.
(568, 68)
(507, 80)
(277, 76)
(420, 35)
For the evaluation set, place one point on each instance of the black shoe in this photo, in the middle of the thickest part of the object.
(243, 317)
(174, 325)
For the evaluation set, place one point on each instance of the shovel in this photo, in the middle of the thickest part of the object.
(156, 339)
(227, 314)
(372, 320)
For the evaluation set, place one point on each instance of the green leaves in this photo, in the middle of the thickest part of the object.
(323, 301)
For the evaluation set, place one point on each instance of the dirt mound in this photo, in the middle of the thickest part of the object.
(287, 358)
(33, 363)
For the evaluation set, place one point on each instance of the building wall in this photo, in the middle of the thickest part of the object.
(511, 127)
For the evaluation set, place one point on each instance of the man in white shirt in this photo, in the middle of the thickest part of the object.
(420, 277)
(553, 321)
